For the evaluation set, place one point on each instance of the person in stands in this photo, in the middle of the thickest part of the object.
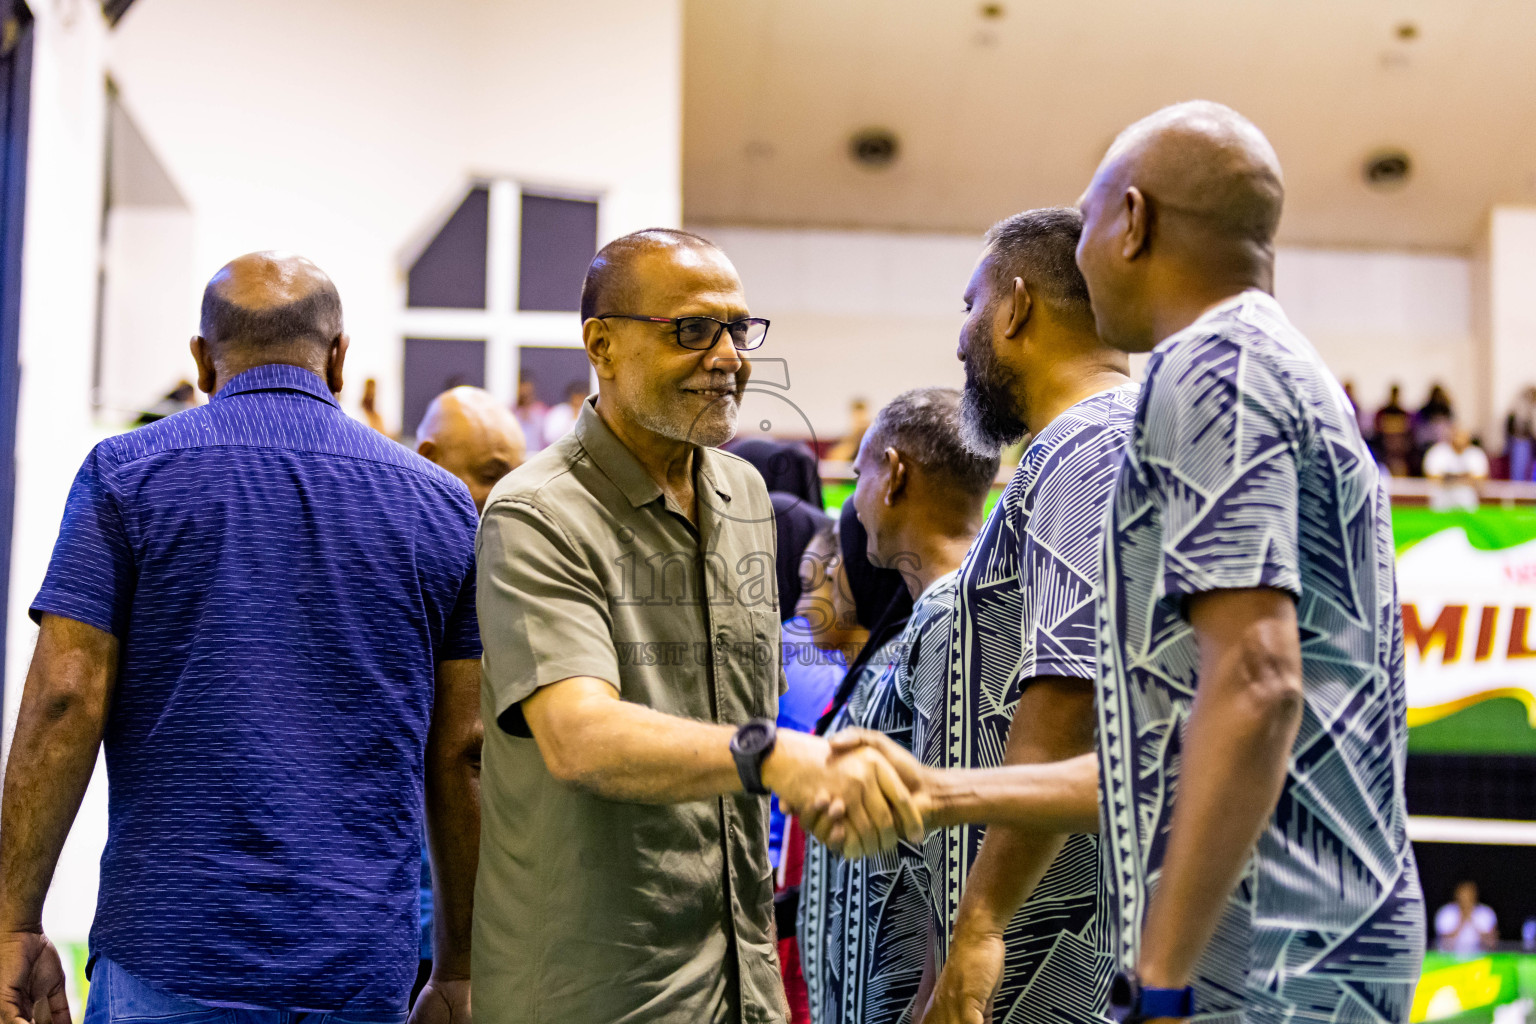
(1466, 925)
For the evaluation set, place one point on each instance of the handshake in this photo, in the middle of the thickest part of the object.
(857, 791)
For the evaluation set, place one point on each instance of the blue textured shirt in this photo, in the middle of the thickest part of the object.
(282, 581)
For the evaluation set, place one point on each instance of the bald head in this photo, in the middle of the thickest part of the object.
(1181, 213)
(1204, 161)
(267, 300)
(472, 436)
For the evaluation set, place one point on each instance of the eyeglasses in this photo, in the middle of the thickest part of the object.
(700, 333)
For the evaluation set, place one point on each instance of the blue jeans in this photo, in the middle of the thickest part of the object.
(117, 997)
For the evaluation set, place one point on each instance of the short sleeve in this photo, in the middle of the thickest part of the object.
(461, 637)
(1221, 451)
(92, 575)
(543, 609)
(1446, 920)
(1061, 553)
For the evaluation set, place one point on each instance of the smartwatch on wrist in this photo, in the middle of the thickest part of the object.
(1130, 1003)
(750, 746)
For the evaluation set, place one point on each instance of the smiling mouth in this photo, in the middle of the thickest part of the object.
(721, 392)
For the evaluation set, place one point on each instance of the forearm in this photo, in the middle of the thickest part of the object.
(453, 842)
(53, 752)
(1037, 799)
(1010, 864)
(626, 752)
(1236, 746)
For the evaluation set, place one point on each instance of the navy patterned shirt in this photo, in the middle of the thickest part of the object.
(1246, 469)
(282, 581)
(863, 925)
(1027, 607)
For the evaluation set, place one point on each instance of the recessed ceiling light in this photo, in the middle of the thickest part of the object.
(874, 147)
(1387, 169)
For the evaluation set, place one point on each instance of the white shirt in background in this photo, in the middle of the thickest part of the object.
(1459, 935)
(559, 421)
(1445, 462)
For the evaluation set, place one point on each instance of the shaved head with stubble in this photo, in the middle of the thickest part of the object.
(269, 307)
(1181, 214)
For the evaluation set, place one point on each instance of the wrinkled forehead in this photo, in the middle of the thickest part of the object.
(682, 280)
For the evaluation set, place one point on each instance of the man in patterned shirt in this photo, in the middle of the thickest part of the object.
(1251, 722)
(1018, 681)
(920, 498)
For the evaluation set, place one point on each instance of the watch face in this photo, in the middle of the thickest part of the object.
(752, 738)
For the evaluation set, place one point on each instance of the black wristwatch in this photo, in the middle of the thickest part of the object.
(1130, 1003)
(750, 746)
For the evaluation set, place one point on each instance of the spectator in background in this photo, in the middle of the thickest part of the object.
(811, 675)
(478, 440)
(369, 406)
(1520, 434)
(472, 436)
(1464, 925)
(266, 609)
(787, 467)
(1394, 434)
(530, 413)
(858, 421)
(1457, 467)
(559, 420)
(1434, 420)
(1362, 418)
(178, 398)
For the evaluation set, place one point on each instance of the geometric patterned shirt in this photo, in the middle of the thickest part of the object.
(1027, 607)
(1246, 469)
(863, 924)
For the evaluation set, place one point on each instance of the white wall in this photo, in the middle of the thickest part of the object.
(55, 428)
(873, 313)
(1509, 311)
(340, 129)
(345, 130)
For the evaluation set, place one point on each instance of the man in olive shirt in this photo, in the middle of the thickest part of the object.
(630, 626)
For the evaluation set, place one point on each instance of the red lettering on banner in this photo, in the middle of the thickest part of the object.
(1518, 648)
(1446, 631)
(1485, 629)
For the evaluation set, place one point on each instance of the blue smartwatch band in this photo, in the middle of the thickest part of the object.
(1166, 1002)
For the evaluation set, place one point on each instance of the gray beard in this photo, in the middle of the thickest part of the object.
(713, 428)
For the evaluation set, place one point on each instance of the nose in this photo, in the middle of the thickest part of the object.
(724, 355)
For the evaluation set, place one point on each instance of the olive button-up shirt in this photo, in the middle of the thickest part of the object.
(588, 909)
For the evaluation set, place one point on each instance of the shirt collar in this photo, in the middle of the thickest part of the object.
(277, 377)
(619, 464)
(1249, 296)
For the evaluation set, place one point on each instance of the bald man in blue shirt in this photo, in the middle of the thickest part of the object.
(265, 611)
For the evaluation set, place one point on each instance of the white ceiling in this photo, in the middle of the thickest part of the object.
(998, 115)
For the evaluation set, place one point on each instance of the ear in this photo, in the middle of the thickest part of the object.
(1138, 225)
(427, 450)
(1020, 305)
(598, 342)
(333, 364)
(207, 375)
(896, 476)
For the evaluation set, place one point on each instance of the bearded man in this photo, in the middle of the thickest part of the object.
(632, 677)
